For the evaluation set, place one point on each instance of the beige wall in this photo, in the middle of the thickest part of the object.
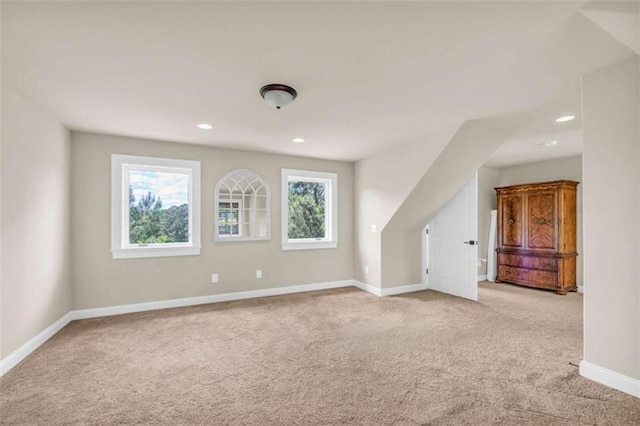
(563, 168)
(382, 183)
(101, 281)
(611, 217)
(469, 148)
(36, 281)
(487, 181)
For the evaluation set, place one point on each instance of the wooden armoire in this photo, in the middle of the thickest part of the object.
(537, 235)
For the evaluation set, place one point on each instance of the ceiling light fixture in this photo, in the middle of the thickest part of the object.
(298, 140)
(205, 126)
(565, 118)
(278, 95)
(551, 143)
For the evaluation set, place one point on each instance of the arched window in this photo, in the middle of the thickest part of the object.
(242, 207)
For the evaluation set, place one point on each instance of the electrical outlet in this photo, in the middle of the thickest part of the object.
(366, 269)
(374, 228)
(259, 273)
(214, 278)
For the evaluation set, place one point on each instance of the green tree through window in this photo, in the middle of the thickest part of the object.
(155, 208)
(306, 210)
(149, 223)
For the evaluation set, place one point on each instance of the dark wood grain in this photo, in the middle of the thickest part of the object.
(537, 235)
(541, 221)
(511, 214)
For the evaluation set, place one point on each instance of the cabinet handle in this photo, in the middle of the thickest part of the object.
(541, 221)
(511, 221)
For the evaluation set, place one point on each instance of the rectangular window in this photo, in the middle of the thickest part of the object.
(309, 210)
(229, 219)
(155, 207)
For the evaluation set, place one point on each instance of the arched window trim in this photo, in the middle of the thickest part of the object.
(241, 183)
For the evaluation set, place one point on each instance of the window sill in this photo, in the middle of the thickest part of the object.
(309, 245)
(227, 239)
(131, 253)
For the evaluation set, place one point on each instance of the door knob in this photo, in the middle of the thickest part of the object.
(471, 242)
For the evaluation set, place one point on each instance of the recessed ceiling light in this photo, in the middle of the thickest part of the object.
(299, 140)
(565, 118)
(551, 143)
(205, 126)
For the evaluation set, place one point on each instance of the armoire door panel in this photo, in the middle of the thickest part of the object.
(541, 221)
(568, 235)
(537, 235)
(512, 221)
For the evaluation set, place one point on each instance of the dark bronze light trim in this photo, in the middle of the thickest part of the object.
(283, 87)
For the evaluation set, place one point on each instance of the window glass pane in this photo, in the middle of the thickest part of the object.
(228, 219)
(306, 210)
(158, 207)
(261, 202)
(261, 218)
(236, 200)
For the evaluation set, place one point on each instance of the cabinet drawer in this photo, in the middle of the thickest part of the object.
(529, 262)
(527, 276)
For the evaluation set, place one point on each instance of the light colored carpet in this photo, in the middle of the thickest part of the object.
(330, 357)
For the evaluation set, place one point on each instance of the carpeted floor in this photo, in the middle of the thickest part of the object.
(330, 357)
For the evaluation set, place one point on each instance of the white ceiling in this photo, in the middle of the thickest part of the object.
(537, 125)
(369, 75)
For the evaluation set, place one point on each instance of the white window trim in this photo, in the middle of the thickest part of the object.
(231, 236)
(331, 210)
(120, 164)
(216, 201)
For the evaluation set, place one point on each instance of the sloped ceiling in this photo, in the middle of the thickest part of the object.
(370, 75)
(620, 19)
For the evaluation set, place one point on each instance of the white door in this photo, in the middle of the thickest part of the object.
(453, 246)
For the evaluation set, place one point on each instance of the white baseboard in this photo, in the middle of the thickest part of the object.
(368, 288)
(32, 344)
(581, 289)
(610, 378)
(382, 292)
(403, 289)
(482, 278)
(203, 300)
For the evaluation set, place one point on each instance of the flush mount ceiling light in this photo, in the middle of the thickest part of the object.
(204, 126)
(278, 95)
(565, 118)
(298, 140)
(551, 143)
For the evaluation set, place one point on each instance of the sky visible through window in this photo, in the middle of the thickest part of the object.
(158, 207)
(171, 187)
